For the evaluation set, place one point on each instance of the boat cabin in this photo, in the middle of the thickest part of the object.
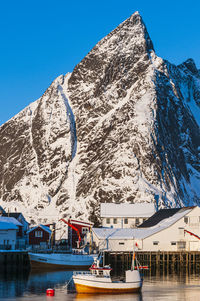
(100, 271)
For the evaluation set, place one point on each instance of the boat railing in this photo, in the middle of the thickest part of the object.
(81, 273)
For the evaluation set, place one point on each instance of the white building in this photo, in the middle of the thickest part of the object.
(19, 217)
(125, 215)
(166, 230)
(9, 227)
(8, 235)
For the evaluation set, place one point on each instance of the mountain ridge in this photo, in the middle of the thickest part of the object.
(122, 127)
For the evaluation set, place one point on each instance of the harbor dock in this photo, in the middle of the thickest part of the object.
(167, 260)
(14, 259)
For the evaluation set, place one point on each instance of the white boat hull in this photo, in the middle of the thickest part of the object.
(89, 284)
(62, 261)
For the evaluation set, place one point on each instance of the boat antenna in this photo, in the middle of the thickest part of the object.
(90, 247)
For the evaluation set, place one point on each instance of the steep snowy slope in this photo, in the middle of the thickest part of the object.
(36, 147)
(123, 127)
(133, 117)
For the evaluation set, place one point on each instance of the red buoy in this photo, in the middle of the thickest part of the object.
(50, 292)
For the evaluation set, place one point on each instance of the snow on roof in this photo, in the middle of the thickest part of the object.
(2, 210)
(11, 220)
(127, 210)
(45, 228)
(7, 226)
(139, 233)
(82, 223)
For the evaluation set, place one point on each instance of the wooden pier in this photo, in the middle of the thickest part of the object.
(14, 259)
(166, 261)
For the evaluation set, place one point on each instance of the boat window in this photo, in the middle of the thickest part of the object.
(100, 273)
(121, 243)
(173, 243)
(155, 243)
(108, 221)
(186, 219)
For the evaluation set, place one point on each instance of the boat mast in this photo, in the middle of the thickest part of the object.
(133, 257)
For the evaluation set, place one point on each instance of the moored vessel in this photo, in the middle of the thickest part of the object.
(98, 280)
(73, 261)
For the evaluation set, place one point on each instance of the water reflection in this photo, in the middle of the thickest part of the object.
(38, 282)
(12, 282)
(110, 297)
(182, 285)
(158, 286)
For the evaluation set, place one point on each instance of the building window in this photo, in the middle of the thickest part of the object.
(155, 243)
(137, 221)
(114, 220)
(38, 234)
(85, 230)
(181, 245)
(186, 219)
(181, 231)
(144, 219)
(173, 243)
(126, 221)
(108, 221)
(121, 243)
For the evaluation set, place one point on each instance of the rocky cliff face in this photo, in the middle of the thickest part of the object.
(123, 127)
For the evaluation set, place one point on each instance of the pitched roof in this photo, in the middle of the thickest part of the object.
(7, 226)
(10, 220)
(45, 228)
(1, 209)
(121, 233)
(127, 210)
(161, 215)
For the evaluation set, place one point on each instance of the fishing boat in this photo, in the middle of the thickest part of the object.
(75, 260)
(98, 280)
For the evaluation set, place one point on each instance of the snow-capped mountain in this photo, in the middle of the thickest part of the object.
(124, 126)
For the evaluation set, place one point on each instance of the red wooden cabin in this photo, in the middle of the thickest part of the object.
(39, 234)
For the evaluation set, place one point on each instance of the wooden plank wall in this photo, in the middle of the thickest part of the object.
(14, 259)
(166, 261)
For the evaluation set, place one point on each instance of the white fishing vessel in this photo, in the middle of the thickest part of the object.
(74, 260)
(98, 280)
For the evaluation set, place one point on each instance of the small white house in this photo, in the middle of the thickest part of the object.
(9, 227)
(168, 230)
(18, 216)
(125, 215)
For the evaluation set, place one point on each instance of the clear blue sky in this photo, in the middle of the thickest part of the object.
(42, 39)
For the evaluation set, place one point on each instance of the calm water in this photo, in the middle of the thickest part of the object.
(32, 286)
